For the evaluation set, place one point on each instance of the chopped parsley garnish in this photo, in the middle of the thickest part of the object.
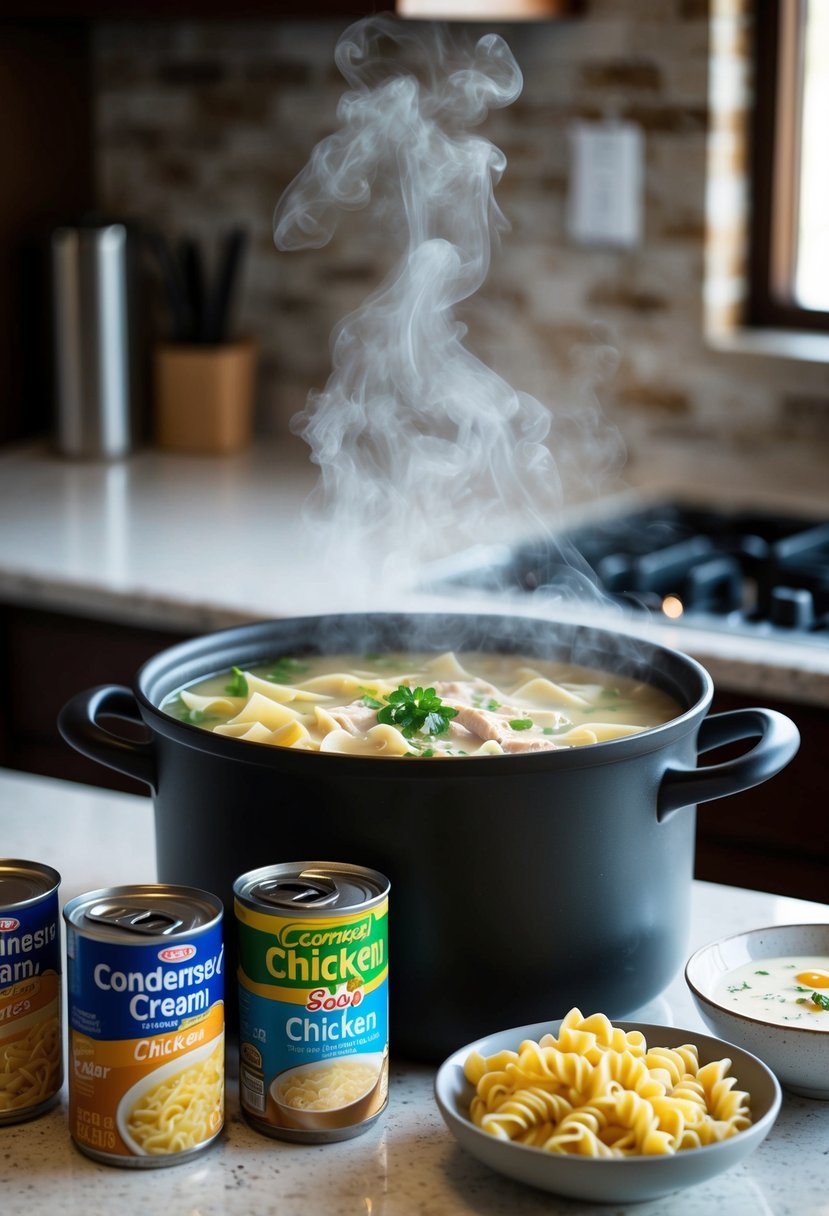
(521, 723)
(821, 1000)
(285, 670)
(416, 710)
(761, 973)
(238, 686)
(369, 698)
(738, 987)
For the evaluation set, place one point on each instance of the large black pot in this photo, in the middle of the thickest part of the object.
(520, 885)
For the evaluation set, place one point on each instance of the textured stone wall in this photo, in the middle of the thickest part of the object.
(202, 125)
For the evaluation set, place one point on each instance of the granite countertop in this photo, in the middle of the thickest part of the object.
(407, 1163)
(199, 543)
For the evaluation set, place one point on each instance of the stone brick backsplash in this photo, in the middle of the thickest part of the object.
(202, 125)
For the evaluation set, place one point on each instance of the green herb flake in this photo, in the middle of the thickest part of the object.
(369, 698)
(821, 1000)
(238, 686)
(285, 669)
(761, 972)
(739, 987)
(521, 723)
(196, 717)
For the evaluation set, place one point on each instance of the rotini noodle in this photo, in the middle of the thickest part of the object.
(30, 1065)
(599, 1091)
(182, 1111)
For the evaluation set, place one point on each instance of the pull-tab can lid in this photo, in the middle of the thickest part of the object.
(309, 887)
(147, 911)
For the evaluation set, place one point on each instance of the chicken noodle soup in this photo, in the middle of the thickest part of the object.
(313, 999)
(421, 705)
(31, 1060)
(180, 1111)
(596, 1090)
(326, 1086)
(146, 1023)
(789, 991)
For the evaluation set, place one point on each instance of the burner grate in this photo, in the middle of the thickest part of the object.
(745, 570)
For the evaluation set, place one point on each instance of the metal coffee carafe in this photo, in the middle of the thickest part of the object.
(98, 364)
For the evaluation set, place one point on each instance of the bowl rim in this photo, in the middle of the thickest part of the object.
(758, 1129)
(739, 1017)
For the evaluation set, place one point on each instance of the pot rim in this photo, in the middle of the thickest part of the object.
(198, 657)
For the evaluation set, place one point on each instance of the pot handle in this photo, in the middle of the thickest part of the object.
(79, 725)
(779, 740)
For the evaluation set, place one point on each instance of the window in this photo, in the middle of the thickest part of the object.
(790, 165)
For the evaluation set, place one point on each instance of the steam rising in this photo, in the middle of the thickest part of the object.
(422, 448)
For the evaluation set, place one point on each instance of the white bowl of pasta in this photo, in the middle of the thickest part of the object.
(177, 1107)
(607, 1112)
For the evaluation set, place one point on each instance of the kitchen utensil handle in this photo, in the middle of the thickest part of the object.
(78, 723)
(779, 740)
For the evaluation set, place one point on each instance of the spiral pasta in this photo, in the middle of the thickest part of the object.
(599, 1091)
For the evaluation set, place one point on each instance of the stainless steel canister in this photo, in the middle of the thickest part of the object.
(98, 363)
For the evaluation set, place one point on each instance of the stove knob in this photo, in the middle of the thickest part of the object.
(792, 608)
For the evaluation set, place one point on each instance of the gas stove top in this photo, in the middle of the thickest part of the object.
(746, 571)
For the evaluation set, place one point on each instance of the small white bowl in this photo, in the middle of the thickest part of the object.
(609, 1180)
(798, 1054)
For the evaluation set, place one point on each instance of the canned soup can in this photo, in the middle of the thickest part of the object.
(313, 999)
(31, 1064)
(145, 970)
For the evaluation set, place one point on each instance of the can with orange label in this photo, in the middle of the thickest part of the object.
(145, 975)
(31, 1064)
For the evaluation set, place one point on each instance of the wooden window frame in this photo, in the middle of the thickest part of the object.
(778, 58)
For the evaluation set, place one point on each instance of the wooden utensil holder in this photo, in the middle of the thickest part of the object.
(204, 397)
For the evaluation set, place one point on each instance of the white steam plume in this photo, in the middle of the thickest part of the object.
(422, 447)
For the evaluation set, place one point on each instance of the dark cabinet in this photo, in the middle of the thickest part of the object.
(47, 657)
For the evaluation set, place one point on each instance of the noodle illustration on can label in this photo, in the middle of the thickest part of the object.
(313, 999)
(146, 1023)
(31, 1064)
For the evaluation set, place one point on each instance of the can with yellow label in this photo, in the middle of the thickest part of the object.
(145, 972)
(313, 999)
(31, 1063)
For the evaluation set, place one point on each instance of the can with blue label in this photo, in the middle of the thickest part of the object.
(145, 979)
(313, 999)
(31, 1055)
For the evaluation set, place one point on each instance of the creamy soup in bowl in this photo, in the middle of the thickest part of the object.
(790, 990)
(421, 705)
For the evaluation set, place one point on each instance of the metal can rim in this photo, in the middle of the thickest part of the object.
(73, 908)
(244, 884)
(25, 865)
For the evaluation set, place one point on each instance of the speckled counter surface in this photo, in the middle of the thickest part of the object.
(407, 1164)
